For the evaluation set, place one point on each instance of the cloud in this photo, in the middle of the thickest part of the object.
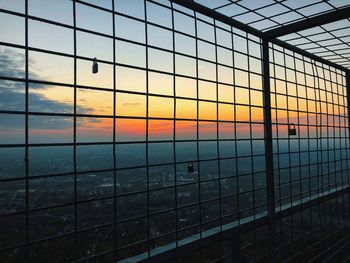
(12, 98)
(12, 63)
(12, 95)
(131, 104)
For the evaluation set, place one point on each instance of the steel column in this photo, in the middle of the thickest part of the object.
(347, 79)
(270, 188)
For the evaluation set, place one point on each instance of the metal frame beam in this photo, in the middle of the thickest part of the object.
(218, 16)
(309, 23)
(270, 37)
(329, 17)
(307, 54)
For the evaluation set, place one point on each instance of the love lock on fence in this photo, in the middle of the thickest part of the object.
(94, 66)
(190, 168)
(292, 130)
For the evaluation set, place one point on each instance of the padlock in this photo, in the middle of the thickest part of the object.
(94, 66)
(292, 130)
(190, 168)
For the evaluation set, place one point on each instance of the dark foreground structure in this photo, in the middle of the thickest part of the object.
(174, 131)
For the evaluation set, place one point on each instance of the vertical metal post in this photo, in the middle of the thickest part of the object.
(26, 150)
(347, 79)
(76, 255)
(174, 131)
(268, 150)
(147, 134)
(115, 235)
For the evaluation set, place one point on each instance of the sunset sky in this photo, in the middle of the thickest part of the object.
(60, 69)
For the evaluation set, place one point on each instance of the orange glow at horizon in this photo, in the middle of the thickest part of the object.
(100, 102)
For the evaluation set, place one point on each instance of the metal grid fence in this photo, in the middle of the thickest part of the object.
(177, 87)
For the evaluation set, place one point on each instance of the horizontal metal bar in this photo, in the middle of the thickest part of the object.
(318, 20)
(311, 202)
(241, 227)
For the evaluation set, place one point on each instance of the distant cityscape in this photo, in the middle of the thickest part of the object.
(243, 194)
